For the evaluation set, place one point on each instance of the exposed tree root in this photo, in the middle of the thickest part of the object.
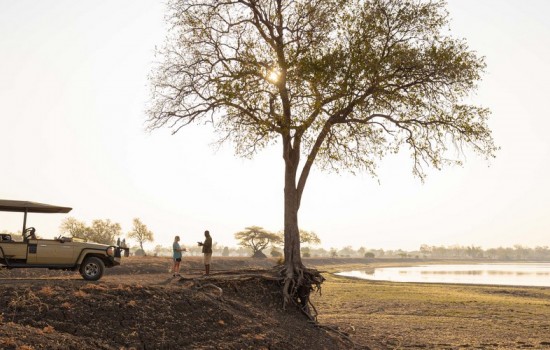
(298, 283)
(297, 288)
(199, 286)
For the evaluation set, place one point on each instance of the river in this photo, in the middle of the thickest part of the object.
(517, 274)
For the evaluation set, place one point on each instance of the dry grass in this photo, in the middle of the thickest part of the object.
(8, 342)
(26, 299)
(406, 315)
(96, 287)
(80, 294)
(47, 291)
(48, 329)
(25, 347)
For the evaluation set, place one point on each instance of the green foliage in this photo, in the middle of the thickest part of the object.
(74, 227)
(256, 238)
(101, 231)
(309, 237)
(140, 233)
(377, 76)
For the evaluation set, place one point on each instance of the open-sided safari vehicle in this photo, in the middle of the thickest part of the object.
(61, 253)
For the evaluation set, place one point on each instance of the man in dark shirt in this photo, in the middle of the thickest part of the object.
(207, 251)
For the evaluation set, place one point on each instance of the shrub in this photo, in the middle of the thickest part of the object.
(139, 252)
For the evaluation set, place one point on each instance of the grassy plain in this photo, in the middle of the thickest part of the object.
(389, 315)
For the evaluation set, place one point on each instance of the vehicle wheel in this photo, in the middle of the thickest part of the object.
(92, 268)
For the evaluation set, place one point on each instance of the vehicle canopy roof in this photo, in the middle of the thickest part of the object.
(31, 207)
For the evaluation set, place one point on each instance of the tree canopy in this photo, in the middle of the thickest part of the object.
(140, 233)
(257, 239)
(101, 231)
(338, 83)
(377, 76)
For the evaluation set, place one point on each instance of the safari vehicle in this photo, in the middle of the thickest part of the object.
(61, 253)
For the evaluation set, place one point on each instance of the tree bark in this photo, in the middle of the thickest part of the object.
(292, 235)
(292, 256)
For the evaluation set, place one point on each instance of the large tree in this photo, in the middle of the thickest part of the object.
(336, 83)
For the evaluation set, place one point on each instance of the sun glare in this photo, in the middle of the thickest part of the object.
(273, 76)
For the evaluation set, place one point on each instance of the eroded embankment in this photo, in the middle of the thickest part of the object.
(80, 315)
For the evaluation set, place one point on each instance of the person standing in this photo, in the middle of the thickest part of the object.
(207, 251)
(177, 249)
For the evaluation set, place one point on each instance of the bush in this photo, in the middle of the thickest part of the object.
(369, 255)
(275, 253)
(139, 252)
(259, 255)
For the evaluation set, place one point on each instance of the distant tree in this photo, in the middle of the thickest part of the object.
(225, 251)
(140, 233)
(369, 255)
(275, 253)
(103, 231)
(333, 253)
(162, 250)
(306, 237)
(347, 251)
(309, 237)
(74, 227)
(306, 252)
(16, 236)
(426, 250)
(474, 252)
(256, 238)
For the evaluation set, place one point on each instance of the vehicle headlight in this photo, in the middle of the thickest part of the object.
(110, 251)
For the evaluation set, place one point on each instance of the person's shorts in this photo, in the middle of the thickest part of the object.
(207, 258)
(177, 259)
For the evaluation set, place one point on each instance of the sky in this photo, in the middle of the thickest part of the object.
(73, 94)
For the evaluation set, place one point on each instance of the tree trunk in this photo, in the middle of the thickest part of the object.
(292, 235)
(293, 259)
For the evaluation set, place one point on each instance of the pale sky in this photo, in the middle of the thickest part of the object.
(73, 91)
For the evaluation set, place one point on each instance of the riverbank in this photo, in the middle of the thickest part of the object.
(391, 315)
(42, 309)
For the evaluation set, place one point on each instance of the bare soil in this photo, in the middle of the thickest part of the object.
(139, 305)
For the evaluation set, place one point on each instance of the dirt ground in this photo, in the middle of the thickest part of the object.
(139, 305)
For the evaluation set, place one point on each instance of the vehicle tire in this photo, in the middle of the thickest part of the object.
(92, 268)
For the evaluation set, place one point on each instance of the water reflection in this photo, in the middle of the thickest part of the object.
(525, 274)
